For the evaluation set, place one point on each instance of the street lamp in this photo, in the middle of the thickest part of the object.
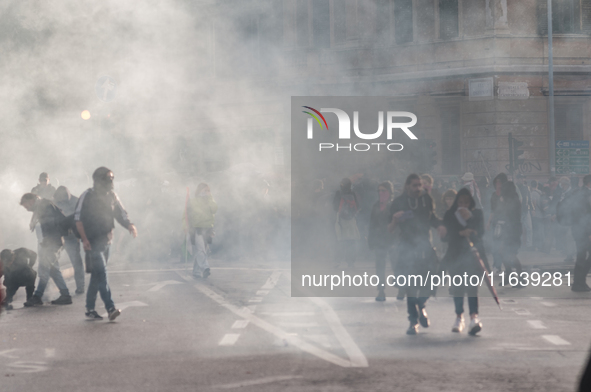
(551, 141)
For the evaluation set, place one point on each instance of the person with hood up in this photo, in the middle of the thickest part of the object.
(464, 222)
(67, 203)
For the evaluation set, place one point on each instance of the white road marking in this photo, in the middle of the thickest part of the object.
(49, 352)
(262, 293)
(298, 325)
(549, 304)
(555, 339)
(5, 353)
(289, 314)
(522, 312)
(272, 281)
(255, 300)
(28, 366)
(259, 381)
(125, 305)
(278, 332)
(355, 355)
(239, 324)
(536, 324)
(160, 285)
(251, 308)
(229, 339)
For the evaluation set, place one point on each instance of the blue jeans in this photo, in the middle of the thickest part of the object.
(49, 267)
(72, 246)
(99, 255)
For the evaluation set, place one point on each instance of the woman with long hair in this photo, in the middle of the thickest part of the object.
(464, 223)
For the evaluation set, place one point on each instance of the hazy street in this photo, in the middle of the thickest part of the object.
(241, 330)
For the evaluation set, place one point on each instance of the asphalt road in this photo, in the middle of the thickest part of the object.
(240, 330)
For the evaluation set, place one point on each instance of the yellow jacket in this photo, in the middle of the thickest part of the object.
(202, 211)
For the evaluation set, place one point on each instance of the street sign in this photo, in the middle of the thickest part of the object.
(572, 143)
(572, 156)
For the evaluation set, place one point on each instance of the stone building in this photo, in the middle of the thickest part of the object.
(472, 70)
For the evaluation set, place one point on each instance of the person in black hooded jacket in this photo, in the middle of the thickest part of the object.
(464, 224)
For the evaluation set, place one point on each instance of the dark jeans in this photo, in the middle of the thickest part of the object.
(12, 289)
(472, 292)
(583, 262)
(416, 300)
(382, 257)
(49, 268)
(99, 256)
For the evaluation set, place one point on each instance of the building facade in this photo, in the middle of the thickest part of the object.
(474, 71)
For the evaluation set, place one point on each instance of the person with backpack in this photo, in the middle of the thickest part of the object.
(18, 272)
(95, 215)
(346, 205)
(51, 220)
(67, 203)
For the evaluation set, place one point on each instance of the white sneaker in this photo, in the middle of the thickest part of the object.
(475, 326)
(458, 325)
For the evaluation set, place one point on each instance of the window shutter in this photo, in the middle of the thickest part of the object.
(542, 10)
(586, 16)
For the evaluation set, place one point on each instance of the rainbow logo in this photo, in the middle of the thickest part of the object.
(315, 117)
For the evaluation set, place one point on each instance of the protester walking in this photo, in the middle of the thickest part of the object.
(67, 203)
(464, 224)
(52, 222)
(201, 213)
(95, 215)
(413, 213)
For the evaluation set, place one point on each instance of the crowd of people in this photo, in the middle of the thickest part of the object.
(62, 220)
(430, 225)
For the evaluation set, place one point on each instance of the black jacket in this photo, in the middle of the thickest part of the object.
(459, 257)
(52, 221)
(97, 211)
(20, 271)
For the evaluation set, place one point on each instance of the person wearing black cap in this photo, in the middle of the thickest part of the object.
(95, 215)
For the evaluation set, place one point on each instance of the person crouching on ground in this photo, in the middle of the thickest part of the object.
(18, 272)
